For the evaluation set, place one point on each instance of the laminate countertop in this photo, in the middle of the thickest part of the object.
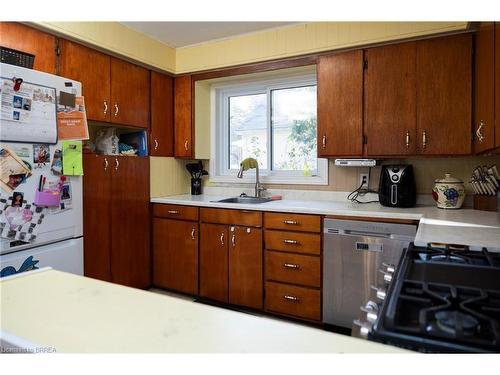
(63, 312)
(465, 226)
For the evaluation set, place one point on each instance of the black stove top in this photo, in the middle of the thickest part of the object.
(444, 298)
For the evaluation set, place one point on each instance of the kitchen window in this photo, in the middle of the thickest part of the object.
(273, 121)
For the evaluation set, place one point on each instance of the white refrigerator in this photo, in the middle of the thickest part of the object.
(34, 234)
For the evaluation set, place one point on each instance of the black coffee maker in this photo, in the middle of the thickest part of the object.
(397, 186)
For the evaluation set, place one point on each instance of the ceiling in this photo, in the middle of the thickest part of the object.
(180, 34)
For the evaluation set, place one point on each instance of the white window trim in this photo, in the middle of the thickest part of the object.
(219, 137)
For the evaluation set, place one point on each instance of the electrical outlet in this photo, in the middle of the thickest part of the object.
(364, 180)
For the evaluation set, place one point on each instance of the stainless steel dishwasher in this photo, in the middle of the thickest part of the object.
(353, 253)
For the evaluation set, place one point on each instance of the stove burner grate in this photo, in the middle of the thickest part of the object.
(458, 254)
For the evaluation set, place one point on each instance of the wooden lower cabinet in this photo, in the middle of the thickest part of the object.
(214, 262)
(245, 267)
(175, 255)
(293, 300)
(116, 219)
(231, 264)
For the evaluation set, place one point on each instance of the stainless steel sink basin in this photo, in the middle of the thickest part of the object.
(245, 200)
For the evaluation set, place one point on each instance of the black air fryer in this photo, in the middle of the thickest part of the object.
(397, 186)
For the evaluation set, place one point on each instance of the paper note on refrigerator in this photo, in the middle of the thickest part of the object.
(72, 158)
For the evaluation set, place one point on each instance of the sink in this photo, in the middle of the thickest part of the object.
(244, 200)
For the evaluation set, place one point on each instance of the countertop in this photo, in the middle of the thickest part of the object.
(70, 313)
(463, 226)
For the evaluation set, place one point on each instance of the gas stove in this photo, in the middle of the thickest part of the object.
(440, 298)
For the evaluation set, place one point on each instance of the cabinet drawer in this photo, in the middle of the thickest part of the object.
(175, 211)
(293, 300)
(293, 268)
(236, 217)
(296, 222)
(297, 242)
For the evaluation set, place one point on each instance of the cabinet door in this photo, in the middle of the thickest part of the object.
(484, 99)
(390, 100)
(162, 115)
(214, 262)
(129, 204)
(96, 216)
(183, 133)
(444, 96)
(340, 104)
(95, 77)
(497, 84)
(129, 94)
(26, 39)
(175, 255)
(245, 267)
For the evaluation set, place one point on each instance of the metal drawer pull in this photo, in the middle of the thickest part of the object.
(222, 239)
(324, 141)
(233, 240)
(116, 109)
(174, 212)
(156, 144)
(291, 298)
(291, 265)
(106, 164)
(117, 164)
(480, 136)
(424, 139)
(186, 145)
(291, 242)
(290, 222)
(192, 233)
(407, 139)
(105, 106)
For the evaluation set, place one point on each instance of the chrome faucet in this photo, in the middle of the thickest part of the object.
(247, 164)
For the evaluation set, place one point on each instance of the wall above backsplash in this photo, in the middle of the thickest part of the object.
(426, 171)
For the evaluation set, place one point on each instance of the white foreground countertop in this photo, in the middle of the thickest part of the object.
(464, 226)
(71, 313)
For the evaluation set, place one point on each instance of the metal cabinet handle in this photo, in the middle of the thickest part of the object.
(323, 143)
(480, 136)
(105, 106)
(291, 298)
(290, 222)
(192, 233)
(116, 109)
(233, 240)
(117, 164)
(424, 139)
(407, 139)
(222, 239)
(291, 265)
(156, 144)
(106, 164)
(186, 145)
(174, 212)
(291, 242)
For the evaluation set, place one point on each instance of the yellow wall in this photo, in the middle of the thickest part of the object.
(300, 39)
(168, 177)
(119, 39)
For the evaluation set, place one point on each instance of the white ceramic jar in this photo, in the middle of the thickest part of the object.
(449, 192)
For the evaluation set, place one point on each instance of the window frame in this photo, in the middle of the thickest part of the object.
(219, 164)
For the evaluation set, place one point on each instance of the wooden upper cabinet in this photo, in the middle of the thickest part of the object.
(162, 115)
(444, 95)
(75, 63)
(390, 100)
(26, 39)
(340, 104)
(183, 133)
(129, 94)
(497, 84)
